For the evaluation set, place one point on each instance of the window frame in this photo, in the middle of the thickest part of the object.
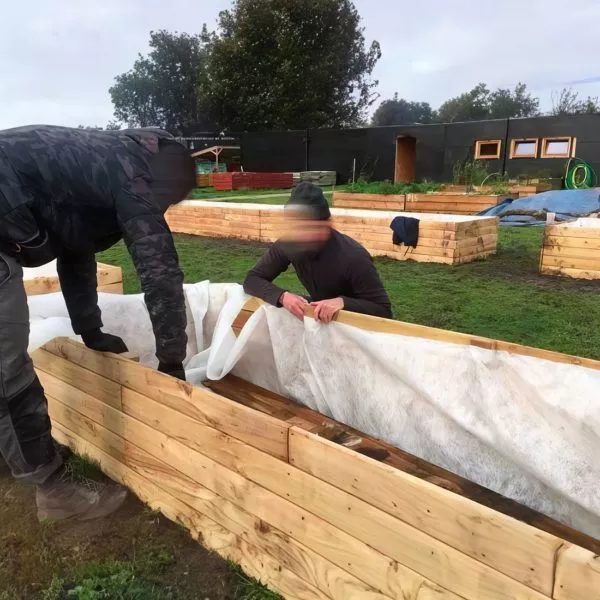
(513, 147)
(479, 143)
(561, 138)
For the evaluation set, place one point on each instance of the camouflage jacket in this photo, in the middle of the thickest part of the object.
(84, 190)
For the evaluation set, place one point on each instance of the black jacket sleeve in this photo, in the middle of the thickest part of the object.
(78, 282)
(152, 249)
(368, 294)
(259, 281)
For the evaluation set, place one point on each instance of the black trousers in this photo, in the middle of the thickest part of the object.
(25, 432)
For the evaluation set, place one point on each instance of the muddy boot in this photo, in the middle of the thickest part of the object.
(60, 499)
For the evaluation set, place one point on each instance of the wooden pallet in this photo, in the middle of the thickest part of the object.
(110, 280)
(310, 507)
(448, 239)
(572, 249)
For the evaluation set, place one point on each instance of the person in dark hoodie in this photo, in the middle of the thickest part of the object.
(66, 194)
(337, 271)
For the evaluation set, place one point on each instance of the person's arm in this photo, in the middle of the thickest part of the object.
(152, 249)
(78, 283)
(368, 294)
(259, 281)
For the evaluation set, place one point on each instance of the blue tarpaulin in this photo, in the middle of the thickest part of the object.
(566, 204)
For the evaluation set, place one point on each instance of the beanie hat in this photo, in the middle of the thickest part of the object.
(309, 198)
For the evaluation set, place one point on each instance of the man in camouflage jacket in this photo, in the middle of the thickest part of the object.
(67, 194)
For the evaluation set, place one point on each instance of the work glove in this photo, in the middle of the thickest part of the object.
(172, 369)
(103, 342)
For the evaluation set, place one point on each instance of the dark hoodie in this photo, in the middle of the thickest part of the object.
(69, 193)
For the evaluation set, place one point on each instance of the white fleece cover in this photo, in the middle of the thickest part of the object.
(525, 427)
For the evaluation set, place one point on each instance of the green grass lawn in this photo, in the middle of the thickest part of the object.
(249, 196)
(502, 297)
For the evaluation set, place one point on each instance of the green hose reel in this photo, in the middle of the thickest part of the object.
(580, 175)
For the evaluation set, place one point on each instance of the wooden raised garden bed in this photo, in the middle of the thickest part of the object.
(572, 249)
(312, 508)
(436, 202)
(44, 280)
(449, 239)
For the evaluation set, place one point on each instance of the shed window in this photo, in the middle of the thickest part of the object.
(526, 148)
(557, 147)
(487, 149)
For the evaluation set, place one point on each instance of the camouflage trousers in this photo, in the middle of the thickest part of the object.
(25, 432)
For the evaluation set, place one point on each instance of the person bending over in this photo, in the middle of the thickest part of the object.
(66, 194)
(337, 271)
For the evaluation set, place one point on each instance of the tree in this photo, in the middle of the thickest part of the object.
(567, 103)
(289, 64)
(504, 104)
(164, 88)
(480, 104)
(398, 111)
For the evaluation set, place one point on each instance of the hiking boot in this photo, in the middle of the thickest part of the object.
(59, 499)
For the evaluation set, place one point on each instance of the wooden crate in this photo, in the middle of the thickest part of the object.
(449, 239)
(572, 249)
(45, 280)
(369, 201)
(313, 509)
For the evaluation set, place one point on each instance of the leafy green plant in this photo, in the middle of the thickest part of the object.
(469, 173)
(387, 187)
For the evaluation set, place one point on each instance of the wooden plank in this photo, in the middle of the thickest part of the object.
(574, 273)
(300, 560)
(412, 548)
(111, 288)
(567, 242)
(308, 420)
(381, 325)
(572, 252)
(347, 552)
(107, 274)
(254, 562)
(577, 575)
(585, 264)
(573, 232)
(104, 389)
(511, 547)
(267, 433)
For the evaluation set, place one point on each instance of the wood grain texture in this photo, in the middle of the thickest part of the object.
(378, 324)
(577, 575)
(109, 277)
(509, 546)
(571, 252)
(347, 552)
(203, 405)
(209, 533)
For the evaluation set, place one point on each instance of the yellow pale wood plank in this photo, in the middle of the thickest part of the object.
(572, 252)
(511, 547)
(349, 553)
(111, 288)
(107, 274)
(577, 574)
(203, 405)
(254, 562)
(567, 242)
(410, 547)
(560, 231)
(381, 325)
(100, 387)
(574, 273)
(308, 565)
(571, 262)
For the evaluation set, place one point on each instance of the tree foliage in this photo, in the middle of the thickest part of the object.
(398, 111)
(480, 103)
(567, 102)
(165, 87)
(289, 64)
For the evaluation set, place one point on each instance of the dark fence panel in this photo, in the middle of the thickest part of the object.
(274, 151)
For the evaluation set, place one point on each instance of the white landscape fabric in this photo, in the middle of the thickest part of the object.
(525, 427)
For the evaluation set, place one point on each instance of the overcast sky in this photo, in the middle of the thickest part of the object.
(59, 57)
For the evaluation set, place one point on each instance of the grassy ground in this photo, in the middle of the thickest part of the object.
(502, 297)
(249, 196)
(136, 554)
